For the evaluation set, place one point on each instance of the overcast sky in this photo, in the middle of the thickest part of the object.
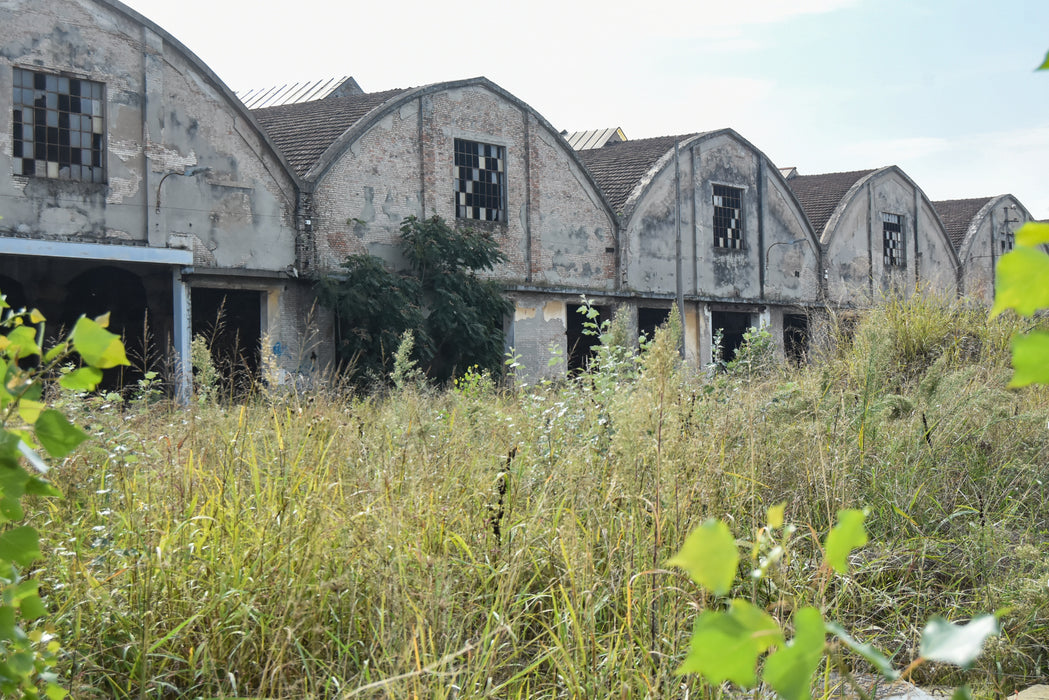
(945, 89)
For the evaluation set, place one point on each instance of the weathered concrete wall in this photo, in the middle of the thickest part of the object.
(163, 113)
(558, 233)
(538, 334)
(854, 243)
(983, 245)
(774, 229)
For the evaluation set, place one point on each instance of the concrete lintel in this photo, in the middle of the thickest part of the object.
(95, 251)
(200, 273)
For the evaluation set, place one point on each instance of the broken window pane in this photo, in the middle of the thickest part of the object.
(55, 129)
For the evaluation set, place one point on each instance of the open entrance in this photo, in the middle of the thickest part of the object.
(795, 336)
(581, 345)
(732, 325)
(649, 319)
(230, 321)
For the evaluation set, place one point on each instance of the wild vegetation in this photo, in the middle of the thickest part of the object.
(491, 541)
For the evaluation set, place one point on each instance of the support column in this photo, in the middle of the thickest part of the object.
(182, 332)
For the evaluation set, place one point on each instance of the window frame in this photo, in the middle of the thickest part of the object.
(893, 251)
(736, 242)
(468, 203)
(46, 104)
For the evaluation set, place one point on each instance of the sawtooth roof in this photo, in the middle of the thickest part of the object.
(304, 131)
(618, 167)
(819, 195)
(958, 214)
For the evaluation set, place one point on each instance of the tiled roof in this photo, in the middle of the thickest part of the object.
(618, 167)
(819, 195)
(305, 130)
(957, 214)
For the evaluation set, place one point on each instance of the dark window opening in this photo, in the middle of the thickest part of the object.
(795, 336)
(480, 181)
(728, 217)
(648, 320)
(732, 326)
(1007, 241)
(57, 127)
(230, 320)
(582, 345)
(892, 233)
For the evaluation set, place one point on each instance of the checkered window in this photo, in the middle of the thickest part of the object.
(58, 126)
(728, 217)
(480, 181)
(892, 234)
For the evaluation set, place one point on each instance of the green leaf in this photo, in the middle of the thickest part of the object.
(726, 645)
(1030, 359)
(83, 379)
(96, 345)
(1033, 233)
(8, 627)
(58, 436)
(41, 487)
(844, 537)
(962, 693)
(22, 342)
(20, 545)
(949, 643)
(1020, 281)
(710, 556)
(875, 657)
(32, 608)
(1045, 63)
(55, 692)
(789, 670)
(56, 351)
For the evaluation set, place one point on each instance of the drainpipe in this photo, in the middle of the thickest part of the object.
(679, 282)
(182, 331)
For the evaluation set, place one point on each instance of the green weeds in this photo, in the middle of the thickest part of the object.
(480, 542)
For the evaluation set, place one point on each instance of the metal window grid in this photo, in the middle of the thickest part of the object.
(728, 217)
(58, 126)
(480, 181)
(892, 236)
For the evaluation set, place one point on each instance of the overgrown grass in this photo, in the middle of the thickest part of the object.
(480, 542)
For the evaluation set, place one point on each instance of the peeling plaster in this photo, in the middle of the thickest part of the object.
(524, 313)
(556, 310)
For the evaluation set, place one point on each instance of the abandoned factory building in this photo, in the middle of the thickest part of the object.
(132, 179)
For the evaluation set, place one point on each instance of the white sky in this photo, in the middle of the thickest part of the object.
(945, 89)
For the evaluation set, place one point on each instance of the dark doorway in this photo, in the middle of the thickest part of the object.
(121, 294)
(648, 320)
(581, 340)
(795, 336)
(13, 290)
(230, 320)
(732, 325)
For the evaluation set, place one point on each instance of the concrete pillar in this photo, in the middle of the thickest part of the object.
(182, 331)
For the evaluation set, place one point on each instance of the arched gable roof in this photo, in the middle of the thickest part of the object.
(305, 130)
(620, 168)
(231, 99)
(625, 170)
(963, 217)
(820, 195)
(349, 118)
(958, 215)
(858, 186)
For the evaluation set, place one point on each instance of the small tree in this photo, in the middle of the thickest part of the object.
(455, 316)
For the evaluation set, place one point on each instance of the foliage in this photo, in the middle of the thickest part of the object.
(27, 425)
(1020, 284)
(456, 317)
(727, 644)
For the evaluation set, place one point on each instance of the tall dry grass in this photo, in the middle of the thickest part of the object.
(486, 542)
